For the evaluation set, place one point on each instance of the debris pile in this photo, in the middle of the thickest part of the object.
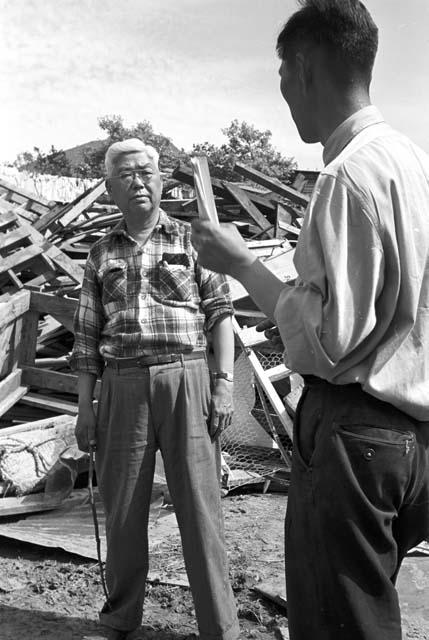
(44, 245)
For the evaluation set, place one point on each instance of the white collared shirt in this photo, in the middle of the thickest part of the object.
(360, 309)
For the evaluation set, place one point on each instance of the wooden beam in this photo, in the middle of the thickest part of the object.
(61, 308)
(33, 202)
(20, 258)
(8, 218)
(11, 390)
(53, 380)
(244, 201)
(265, 382)
(184, 174)
(13, 308)
(278, 372)
(13, 239)
(50, 403)
(81, 204)
(15, 344)
(27, 348)
(66, 214)
(60, 259)
(272, 183)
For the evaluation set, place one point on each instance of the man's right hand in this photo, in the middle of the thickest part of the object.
(85, 430)
(221, 248)
(272, 334)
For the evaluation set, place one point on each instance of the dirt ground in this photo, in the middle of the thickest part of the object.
(51, 595)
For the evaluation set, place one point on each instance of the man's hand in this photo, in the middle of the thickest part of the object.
(85, 430)
(221, 248)
(272, 334)
(221, 407)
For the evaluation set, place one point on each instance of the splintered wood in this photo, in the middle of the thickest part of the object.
(203, 187)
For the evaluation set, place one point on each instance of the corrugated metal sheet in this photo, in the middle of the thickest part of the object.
(71, 527)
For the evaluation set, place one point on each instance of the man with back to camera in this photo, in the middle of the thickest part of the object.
(143, 317)
(355, 324)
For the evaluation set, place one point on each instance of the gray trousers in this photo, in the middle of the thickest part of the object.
(141, 410)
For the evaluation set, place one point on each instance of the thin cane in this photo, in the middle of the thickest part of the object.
(95, 519)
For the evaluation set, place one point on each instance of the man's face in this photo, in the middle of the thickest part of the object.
(135, 184)
(295, 90)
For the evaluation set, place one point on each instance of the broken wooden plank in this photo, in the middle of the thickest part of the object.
(274, 590)
(59, 258)
(53, 380)
(7, 219)
(203, 187)
(279, 372)
(49, 403)
(27, 348)
(14, 307)
(184, 174)
(244, 201)
(13, 239)
(65, 215)
(21, 258)
(266, 383)
(273, 184)
(11, 390)
(61, 308)
(30, 201)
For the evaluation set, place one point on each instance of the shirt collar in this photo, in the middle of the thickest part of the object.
(164, 222)
(348, 129)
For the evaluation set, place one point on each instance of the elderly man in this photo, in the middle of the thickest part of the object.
(356, 325)
(145, 311)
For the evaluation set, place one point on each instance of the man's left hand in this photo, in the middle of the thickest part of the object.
(221, 407)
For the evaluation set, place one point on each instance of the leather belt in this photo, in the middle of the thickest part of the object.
(150, 361)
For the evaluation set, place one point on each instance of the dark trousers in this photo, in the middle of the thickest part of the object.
(141, 410)
(358, 501)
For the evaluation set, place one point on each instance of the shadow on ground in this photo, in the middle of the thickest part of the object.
(41, 625)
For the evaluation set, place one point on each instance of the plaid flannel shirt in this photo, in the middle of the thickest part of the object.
(145, 300)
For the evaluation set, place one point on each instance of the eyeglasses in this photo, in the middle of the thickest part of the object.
(127, 177)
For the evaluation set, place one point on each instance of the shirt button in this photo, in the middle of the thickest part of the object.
(369, 454)
(145, 273)
(143, 296)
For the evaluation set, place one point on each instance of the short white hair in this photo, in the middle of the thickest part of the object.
(132, 145)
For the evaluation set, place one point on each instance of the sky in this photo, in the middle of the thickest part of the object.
(189, 67)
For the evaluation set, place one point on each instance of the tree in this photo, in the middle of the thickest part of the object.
(54, 163)
(250, 146)
(93, 162)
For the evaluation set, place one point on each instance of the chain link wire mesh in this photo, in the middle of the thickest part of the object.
(250, 453)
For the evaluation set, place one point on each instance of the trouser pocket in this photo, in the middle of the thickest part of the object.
(380, 460)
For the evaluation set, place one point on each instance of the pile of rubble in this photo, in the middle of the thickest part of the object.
(43, 248)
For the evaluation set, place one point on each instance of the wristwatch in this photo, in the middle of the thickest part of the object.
(225, 375)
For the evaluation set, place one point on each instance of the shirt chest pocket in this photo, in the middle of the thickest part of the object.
(175, 284)
(114, 283)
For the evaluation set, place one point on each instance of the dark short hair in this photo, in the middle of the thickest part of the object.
(344, 28)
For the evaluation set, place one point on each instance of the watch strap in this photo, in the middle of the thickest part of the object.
(225, 375)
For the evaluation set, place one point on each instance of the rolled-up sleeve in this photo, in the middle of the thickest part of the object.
(88, 325)
(327, 318)
(215, 296)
